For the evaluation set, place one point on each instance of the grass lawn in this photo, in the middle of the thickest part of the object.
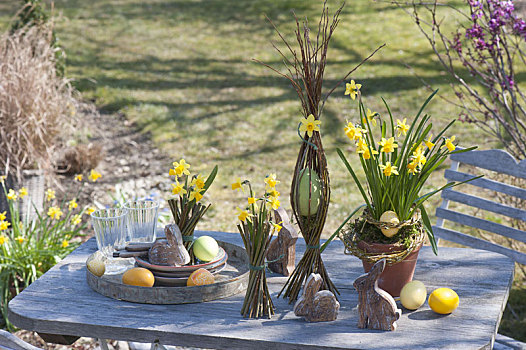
(182, 71)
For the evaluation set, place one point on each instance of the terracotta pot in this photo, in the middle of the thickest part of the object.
(394, 276)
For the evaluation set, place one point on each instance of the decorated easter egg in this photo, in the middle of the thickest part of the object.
(205, 248)
(391, 217)
(443, 300)
(413, 295)
(309, 183)
(138, 276)
(200, 277)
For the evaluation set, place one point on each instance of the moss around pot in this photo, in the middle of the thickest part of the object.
(308, 177)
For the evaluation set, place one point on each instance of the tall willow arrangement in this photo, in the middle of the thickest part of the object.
(310, 190)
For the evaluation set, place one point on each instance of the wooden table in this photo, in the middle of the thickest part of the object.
(61, 302)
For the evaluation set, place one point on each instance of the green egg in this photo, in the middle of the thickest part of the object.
(205, 248)
(308, 176)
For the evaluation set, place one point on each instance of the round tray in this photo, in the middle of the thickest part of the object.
(233, 279)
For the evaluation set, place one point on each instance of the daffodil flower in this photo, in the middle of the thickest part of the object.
(310, 125)
(20, 239)
(3, 239)
(50, 194)
(54, 212)
(402, 127)
(354, 133)
(178, 188)
(4, 225)
(94, 175)
(388, 145)
(78, 177)
(352, 89)
(277, 227)
(449, 144)
(274, 193)
(251, 200)
(76, 219)
(388, 169)
(196, 194)
(237, 185)
(65, 244)
(72, 204)
(3, 216)
(412, 167)
(181, 168)
(90, 210)
(22, 192)
(11, 195)
(274, 203)
(198, 182)
(271, 181)
(418, 155)
(243, 215)
(363, 149)
(428, 142)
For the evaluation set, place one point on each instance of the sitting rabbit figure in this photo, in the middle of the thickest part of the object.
(316, 305)
(376, 308)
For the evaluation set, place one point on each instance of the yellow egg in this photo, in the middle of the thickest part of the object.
(443, 300)
(413, 295)
(200, 277)
(96, 264)
(138, 276)
(205, 248)
(306, 178)
(389, 216)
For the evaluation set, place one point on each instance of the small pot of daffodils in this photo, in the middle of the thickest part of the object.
(397, 159)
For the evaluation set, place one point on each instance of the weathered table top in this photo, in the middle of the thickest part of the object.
(61, 302)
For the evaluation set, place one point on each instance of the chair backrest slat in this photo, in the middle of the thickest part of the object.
(486, 183)
(495, 159)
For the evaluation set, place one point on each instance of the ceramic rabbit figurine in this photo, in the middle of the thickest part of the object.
(377, 308)
(282, 250)
(171, 251)
(316, 305)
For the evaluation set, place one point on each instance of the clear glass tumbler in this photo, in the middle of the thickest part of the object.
(142, 220)
(110, 231)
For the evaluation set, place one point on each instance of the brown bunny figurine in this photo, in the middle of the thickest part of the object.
(377, 308)
(316, 305)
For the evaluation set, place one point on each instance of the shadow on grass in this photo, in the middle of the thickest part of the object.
(513, 322)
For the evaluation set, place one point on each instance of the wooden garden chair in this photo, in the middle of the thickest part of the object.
(502, 163)
(9, 341)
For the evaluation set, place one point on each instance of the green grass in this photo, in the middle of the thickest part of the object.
(182, 71)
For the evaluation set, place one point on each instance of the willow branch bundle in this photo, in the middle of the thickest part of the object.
(256, 238)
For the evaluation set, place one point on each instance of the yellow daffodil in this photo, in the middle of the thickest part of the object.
(196, 194)
(11, 195)
(78, 177)
(65, 244)
(309, 125)
(90, 210)
(352, 89)
(3, 239)
(172, 172)
(388, 169)
(277, 227)
(412, 167)
(363, 149)
(243, 215)
(449, 144)
(178, 188)
(402, 127)
(274, 193)
(76, 219)
(198, 182)
(388, 145)
(428, 142)
(418, 155)
(54, 212)
(370, 116)
(94, 175)
(72, 204)
(22, 192)
(237, 185)
(271, 181)
(3, 216)
(4, 225)
(20, 239)
(354, 133)
(251, 200)
(181, 168)
(50, 194)
(274, 203)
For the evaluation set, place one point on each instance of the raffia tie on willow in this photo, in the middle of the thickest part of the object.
(350, 238)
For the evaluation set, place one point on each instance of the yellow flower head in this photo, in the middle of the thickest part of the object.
(22, 192)
(270, 181)
(94, 175)
(388, 145)
(90, 210)
(11, 195)
(20, 239)
(412, 168)
(50, 194)
(402, 127)
(428, 142)
(72, 204)
(3, 239)
(178, 188)
(277, 227)
(274, 193)
(309, 125)
(198, 182)
(54, 212)
(243, 215)
(3, 216)
(78, 177)
(4, 225)
(388, 169)
(180, 168)
(237, 185)
(370, 116)
(274, 203)
(352, 89)
(354, 133)
(418, 155)
(251, 200)
(196, 194)
(76, 219)
(363, 149)
(449, 144)
(65, 243)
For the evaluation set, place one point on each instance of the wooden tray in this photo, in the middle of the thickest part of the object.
(230, 281)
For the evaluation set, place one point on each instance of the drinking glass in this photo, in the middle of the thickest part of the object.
(110, 231)
(142, 220)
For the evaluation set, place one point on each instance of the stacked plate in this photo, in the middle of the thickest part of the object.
(178, 275)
